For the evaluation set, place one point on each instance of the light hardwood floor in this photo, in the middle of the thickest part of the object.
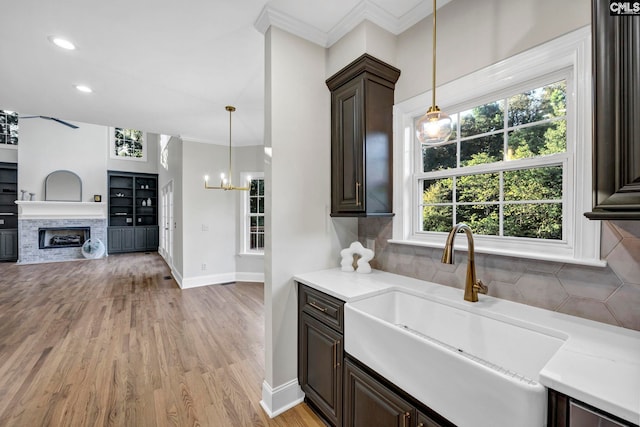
(113, 342)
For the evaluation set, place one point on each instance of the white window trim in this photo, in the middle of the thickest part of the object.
(581, 244)
(244, 221)
(112, 147)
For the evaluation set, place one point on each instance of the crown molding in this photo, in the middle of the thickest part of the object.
(273, 17)
(364, 10)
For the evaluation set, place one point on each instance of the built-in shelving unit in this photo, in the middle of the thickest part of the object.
(133, 212)
(8, 211)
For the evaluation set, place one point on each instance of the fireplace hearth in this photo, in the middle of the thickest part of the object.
(65, 237)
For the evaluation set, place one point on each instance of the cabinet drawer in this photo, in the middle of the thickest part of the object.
(323, 307)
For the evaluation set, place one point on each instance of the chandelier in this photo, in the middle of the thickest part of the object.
(225, 184)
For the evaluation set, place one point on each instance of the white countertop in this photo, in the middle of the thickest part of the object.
(598, 364)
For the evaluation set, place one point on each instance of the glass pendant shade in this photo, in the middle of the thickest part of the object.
(434, 127)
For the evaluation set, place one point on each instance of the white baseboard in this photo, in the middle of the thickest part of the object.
(277, 400)
(249, 277)
(176, 275)
(211, 279)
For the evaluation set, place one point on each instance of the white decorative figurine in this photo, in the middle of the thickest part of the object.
(365, 254)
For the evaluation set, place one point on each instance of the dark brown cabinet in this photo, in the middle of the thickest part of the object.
(368, 403)
(371, 401)
(564, 411)
(362, 138)
(616, 106)
(320, 353)
(133, 212)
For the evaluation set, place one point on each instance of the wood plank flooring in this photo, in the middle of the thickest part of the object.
(112, 342)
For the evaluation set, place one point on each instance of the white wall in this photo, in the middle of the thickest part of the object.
(9, 155)
(474, 34)
(209, 216)
(248, 159)
(301, 237)
(367, 37)
(46, 146)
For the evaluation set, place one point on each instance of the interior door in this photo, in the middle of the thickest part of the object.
(166, 223)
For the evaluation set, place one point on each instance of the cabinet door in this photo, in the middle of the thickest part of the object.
(9, 245)
(140, 238)
(320, 367)
(114, 237)
(127, 239)
(347, 148)
(152, 238)
(368, 403)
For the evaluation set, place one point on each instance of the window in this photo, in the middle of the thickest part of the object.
(128, 144)
(253, 221)
(517, 169)
(8, 127)
(502, 171)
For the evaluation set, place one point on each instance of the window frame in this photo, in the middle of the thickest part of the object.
(6, 145)
(112, 146)
(245, 235)
(569, 56)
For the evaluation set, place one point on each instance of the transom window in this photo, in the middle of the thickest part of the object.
(128, 144)
(502, 171)
(8, 127)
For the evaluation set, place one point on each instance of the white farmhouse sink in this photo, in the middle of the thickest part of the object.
(474, 369)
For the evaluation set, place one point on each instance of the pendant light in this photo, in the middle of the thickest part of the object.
(224, 183)
(434, 128)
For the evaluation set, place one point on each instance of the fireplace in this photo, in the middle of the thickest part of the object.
(63, 237)
(35, 218)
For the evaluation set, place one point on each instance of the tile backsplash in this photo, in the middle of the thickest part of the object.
(610, 294)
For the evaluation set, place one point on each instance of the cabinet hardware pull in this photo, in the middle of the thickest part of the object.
(335, 346)
(317, 307)
(407, 417)
(421, 425)
(357, 193)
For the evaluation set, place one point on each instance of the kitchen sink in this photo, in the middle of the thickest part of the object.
(469, 365)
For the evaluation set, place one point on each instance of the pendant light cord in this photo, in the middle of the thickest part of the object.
(230, 109)
(433, 88)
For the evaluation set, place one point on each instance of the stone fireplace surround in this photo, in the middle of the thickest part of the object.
(36, 215)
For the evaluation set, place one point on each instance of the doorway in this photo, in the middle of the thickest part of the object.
(166, 223)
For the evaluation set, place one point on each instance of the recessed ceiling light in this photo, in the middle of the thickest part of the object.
(85, 89)
(63, 43)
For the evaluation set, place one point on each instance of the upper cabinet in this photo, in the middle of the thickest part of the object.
(362, 138)
(616, 98)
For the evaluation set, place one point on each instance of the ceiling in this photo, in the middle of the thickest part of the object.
(166, 66)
